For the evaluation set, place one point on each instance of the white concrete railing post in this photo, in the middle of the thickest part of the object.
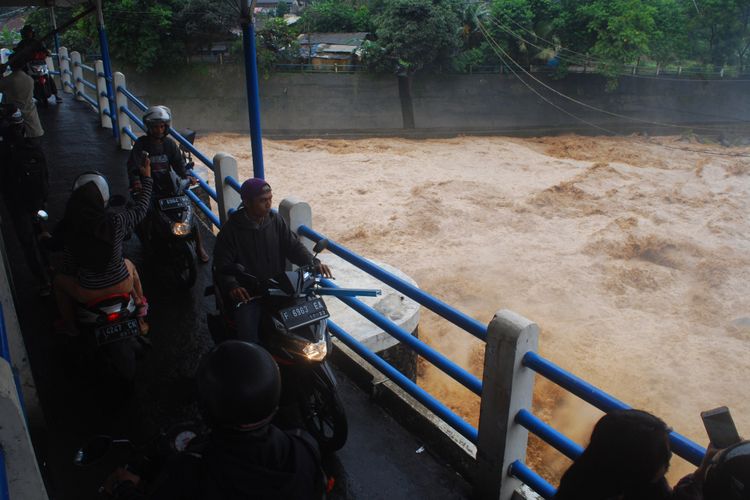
(121, 101)
(65, 80)
(75, 60)
(507, 388)
(296, 213)
(24, 478)
(50, 66)
(101, 94)
(225, 165)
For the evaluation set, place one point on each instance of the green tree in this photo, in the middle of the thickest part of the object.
(276, 43)
(418, 33)
(204, 22)
(332, 16)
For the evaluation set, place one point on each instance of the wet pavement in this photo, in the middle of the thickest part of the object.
(380, 459)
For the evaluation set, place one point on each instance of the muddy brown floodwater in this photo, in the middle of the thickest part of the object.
(632, 255)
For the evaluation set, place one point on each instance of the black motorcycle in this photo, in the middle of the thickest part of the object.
(147, 459)
(113, 341)
(294, 329)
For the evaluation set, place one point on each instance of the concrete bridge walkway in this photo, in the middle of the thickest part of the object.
(380, 459)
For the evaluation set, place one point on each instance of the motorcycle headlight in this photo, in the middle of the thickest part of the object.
(180, 229)
(316, 351)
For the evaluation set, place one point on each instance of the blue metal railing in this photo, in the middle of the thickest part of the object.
(424, 397)
(680, 445)
(456, 372)
(182, 140)
(4, 492)
(439, 307)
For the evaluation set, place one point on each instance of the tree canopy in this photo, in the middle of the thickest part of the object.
(441, 35)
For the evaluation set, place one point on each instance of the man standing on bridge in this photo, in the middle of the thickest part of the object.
(18, 89)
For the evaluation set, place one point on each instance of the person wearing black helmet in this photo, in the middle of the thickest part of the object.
(244, 456)
(723, 475)
(164, 154)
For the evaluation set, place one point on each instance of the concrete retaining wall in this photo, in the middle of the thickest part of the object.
(213, 98)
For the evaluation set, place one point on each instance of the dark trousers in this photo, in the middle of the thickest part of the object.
(247, 318)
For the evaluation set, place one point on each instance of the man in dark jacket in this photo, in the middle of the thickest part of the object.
(245, 456)
(259, 240)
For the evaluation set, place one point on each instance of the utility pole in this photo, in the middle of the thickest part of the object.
(251, 82)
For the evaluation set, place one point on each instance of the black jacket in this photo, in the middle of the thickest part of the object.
(262, 249)
(261, 465)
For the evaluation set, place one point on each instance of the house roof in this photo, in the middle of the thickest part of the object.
(325, 48)
(355, 39)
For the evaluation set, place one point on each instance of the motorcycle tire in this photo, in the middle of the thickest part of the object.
(182, 265)
(324, 416)
(121, 364)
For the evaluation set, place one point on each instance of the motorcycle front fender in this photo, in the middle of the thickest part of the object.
(324, 373)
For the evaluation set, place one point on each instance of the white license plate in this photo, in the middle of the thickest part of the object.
(116, 331)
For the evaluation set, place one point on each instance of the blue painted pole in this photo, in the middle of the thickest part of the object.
(4, 493)
(253, 97)
(104, 47)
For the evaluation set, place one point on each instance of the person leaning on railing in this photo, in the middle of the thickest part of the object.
(626, 459)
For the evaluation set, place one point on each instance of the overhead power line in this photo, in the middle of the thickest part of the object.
(503, 55)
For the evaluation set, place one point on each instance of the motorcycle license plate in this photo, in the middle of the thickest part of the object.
(173, 203)
(303, 314)
(116, 331)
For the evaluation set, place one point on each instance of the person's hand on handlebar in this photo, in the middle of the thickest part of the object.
(323, 270)
(240, 295)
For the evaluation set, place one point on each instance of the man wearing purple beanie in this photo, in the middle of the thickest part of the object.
(261, 241)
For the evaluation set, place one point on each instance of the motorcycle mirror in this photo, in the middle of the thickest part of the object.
(320, 246)
(41, 216)
(93, 451)
(117, 200)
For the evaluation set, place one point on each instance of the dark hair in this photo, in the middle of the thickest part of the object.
(728, 474)
(627, 450)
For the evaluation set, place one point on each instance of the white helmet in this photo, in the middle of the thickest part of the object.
(98, 179)
(157, 114)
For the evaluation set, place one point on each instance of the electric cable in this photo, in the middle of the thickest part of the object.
(588, 59)
(496, 46)
(595, 108)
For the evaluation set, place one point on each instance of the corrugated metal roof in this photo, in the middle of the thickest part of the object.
(333, 38)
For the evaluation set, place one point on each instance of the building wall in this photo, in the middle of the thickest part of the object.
(212, 97)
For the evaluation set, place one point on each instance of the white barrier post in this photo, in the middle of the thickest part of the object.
(296, 213)
(24, 478)
(121, 101)
(50, 66)
(75, 59)
(65, 71)
(507, 388)
(225, 165)
(101, 94)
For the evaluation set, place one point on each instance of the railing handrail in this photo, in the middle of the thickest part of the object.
(681, 445)
(437, 306)
(447, 366)
(424, 397)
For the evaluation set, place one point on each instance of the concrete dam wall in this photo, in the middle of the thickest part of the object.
(212, 98)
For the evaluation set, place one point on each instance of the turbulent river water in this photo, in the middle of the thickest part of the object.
(632, 254)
